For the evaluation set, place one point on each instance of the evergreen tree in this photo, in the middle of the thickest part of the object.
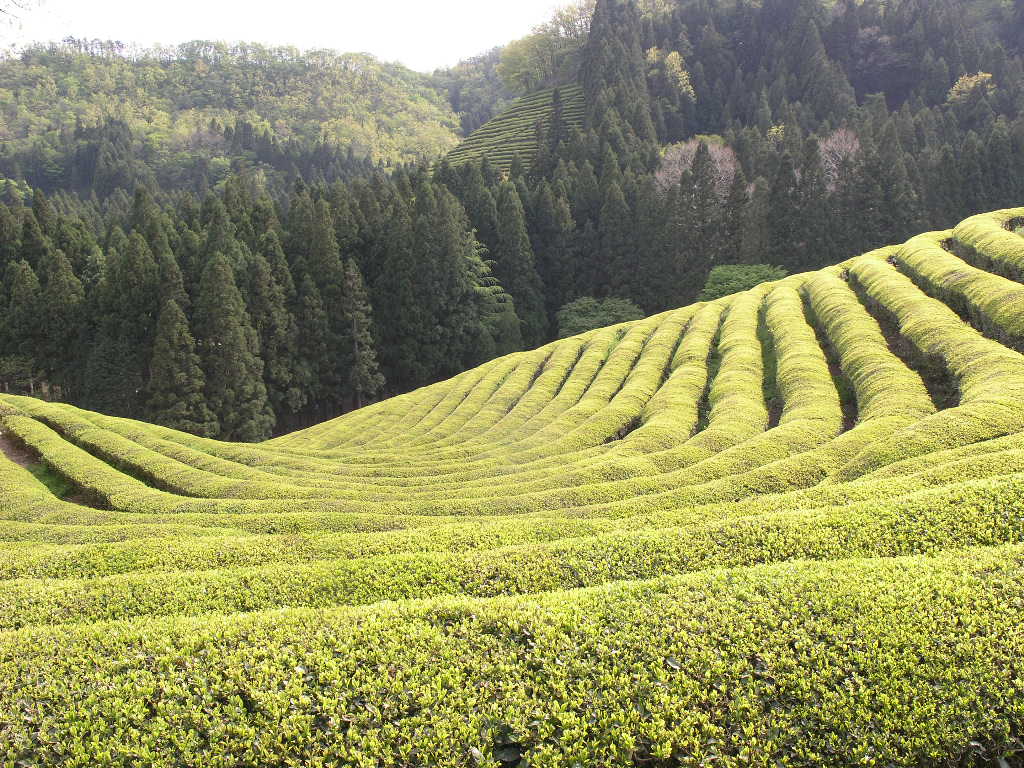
(614, 77)
(278, 335)
(229, 351)
(35, 245)
(784, 221)
(10, 238)
(756, 224)
(515, 268)
(23, 320)
(364, 377)
(552, 245)
(616, 265)
(176, 382)
(128, 301)
(63, 298)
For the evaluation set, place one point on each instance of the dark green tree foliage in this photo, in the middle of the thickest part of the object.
(176, 392)
(552, 238)
(613, 74)
(229, 351)
(365, 380)
(617, 258)
(278, 332)
(785, 215)
(728, 279)
(35, 245)
(327, 270)
(10, 238)
(23, 326)
(128, 298)
(515, 267)
(63, 300)
(587, 313)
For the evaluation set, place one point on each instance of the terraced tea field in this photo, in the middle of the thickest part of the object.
(785, 528)
(514, 131)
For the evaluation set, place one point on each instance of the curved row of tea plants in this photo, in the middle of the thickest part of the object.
(783, 528)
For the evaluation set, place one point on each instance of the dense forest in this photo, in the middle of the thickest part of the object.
(225, 252)
(92, 117)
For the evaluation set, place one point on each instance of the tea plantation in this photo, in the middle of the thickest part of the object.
(784, 528)
(515, 131)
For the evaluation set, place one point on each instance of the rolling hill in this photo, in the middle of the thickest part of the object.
(782, 528)
(514, 131)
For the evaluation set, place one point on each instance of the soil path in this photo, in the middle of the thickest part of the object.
(19, 454)
(24, 458)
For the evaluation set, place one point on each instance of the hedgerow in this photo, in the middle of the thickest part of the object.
(806, 664)
(669, 542)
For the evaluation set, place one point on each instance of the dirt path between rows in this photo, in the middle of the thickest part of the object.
(25, 459)
(19, 454)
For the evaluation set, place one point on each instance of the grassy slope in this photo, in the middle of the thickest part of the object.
(604, 552)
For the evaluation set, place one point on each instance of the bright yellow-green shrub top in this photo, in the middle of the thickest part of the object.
(783, 528)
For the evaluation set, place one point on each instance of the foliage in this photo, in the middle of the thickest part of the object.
(727, 279)
(602, 519)
(548, 56)
(513, 133)
(587, 313)
(91, 115)
(967, 84)
(475, 90)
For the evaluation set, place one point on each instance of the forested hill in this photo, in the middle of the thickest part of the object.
(692, 145)
(92, 117)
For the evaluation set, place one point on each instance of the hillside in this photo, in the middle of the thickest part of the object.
(781, 528)
(92, 117)
(515, 131)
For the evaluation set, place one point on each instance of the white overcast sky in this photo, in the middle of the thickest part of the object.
(422, 34)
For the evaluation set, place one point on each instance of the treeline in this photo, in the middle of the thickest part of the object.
(91, 117)
(237, 317)
(806, 171)
(787, 134)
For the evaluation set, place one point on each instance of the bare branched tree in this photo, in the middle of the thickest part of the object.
(836, 149)
(679, 158)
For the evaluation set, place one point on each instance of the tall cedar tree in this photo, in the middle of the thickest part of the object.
(23, 319)
(614, 77)
(129, 300)
(515, 268)
(229, 351)
(365, 380)
(176, 389)
(64, 299)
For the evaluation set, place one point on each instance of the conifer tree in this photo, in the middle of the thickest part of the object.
(364, 377)
(784, 220)
(278, 335)
(552, 245)
(129, 302)
(616, 265)
(314, 333)
(614, 76)
(35, 245)
(63, 298)
(229, 351)
(515, 267)
(814, 226)
(10, 238)
(731, 250)
(756, 224)
(176, 382)
(23, 318)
